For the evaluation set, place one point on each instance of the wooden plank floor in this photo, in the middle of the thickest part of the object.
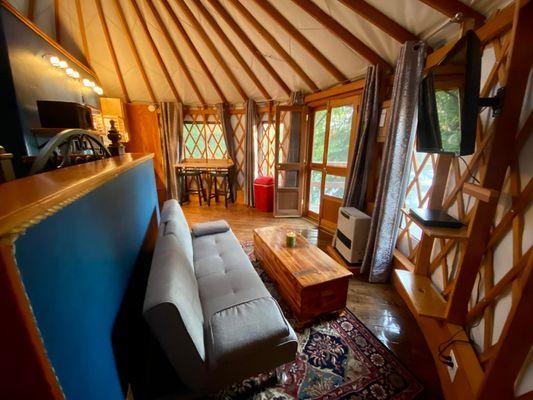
(378, 306)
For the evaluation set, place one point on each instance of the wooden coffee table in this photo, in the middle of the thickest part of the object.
(309, 280)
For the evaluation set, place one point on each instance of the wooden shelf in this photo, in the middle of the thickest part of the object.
(420, 294)
(439, 232)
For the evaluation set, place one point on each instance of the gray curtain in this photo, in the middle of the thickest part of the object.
(249, 152)
(394, 172)
(357, 180)
(171, 122)
(229, 137)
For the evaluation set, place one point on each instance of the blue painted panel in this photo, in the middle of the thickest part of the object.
(75, 266)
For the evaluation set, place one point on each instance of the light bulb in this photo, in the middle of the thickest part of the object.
(75, 74)
(69, 71)
(99, 90)
(54, 61)
(63, 64)
(86, 82)
(92, 84)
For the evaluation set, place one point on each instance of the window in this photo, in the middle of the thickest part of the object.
(334, 186)
(266, 149)
(204, 139)
(314, 191)
(319, 134)
(340, 127)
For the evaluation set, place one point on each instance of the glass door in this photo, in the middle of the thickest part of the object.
(332, 138)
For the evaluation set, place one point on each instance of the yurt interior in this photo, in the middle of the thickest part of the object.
(266, 199)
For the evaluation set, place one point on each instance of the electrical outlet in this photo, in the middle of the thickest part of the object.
(453, 369)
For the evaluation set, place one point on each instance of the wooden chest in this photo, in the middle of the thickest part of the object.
(310, 281)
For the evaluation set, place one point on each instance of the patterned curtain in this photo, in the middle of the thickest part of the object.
(171, 122)
(229, 137)
(250, 136)
(394, 173)
(357, 180)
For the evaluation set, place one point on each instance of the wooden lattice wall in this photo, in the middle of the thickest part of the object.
(478, 277)
(198, 133)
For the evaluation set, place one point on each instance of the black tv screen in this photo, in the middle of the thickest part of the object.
(448, 101)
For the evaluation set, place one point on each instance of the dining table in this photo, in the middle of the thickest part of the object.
(204, 164)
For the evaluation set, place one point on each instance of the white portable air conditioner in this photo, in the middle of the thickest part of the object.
(352, 234)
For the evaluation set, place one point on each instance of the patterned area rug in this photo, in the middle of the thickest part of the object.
(338, 358)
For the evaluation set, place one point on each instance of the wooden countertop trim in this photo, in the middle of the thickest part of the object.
(26, 201)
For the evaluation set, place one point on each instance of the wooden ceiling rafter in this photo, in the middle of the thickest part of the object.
(228, 19)
(380, 20)
(274, 44)
(451, 7)
(342, 33)
(195, 52)
(176, 52)
(212, 48)
(83, 33)
(301, 39)
(134, 50)
(30, 13)
(57, 22)
(155, 50)
(233, 50)
(111, 48)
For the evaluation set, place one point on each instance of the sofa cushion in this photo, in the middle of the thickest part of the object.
(172, 281)
(237, 332)
(209, 228)
(225, 275)
(173, 222)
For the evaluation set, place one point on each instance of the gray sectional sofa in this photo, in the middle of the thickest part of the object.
(208, 308)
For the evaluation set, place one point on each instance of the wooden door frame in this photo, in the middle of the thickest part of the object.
(299, 166)
(355, 101)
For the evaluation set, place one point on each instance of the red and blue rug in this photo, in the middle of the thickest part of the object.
(338, 358)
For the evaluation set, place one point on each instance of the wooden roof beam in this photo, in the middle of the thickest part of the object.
(342, 33)
(176, 52)
(155, 50)
(193, 49)
(380, 20)
(134, 50)
(31, 10)
(274, 44)
(57, 22)
(111, 48)
(228, 19)
(83, 33)
(236, 54)
(452, 7)
(209, 43)
(304, 42)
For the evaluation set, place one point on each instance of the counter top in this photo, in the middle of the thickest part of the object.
(25, 201)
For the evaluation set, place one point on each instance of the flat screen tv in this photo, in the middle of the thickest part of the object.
(449, 101)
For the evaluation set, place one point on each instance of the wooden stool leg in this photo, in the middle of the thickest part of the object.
(226, 191)
(200, 179)
(216, 189)
(198, 187)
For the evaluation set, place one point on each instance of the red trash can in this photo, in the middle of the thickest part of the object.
(264, 193)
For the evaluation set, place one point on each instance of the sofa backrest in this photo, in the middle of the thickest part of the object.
(172, 304)
(173, 222)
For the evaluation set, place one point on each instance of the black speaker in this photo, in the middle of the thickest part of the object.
(64, 114)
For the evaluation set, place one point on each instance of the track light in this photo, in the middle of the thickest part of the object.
(63, 64)
(54, 61)
(99, 90)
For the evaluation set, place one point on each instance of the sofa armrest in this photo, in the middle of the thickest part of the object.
(238, 332)
(209, 228)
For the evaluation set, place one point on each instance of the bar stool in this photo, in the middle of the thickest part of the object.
(224, 191)
(196, 176)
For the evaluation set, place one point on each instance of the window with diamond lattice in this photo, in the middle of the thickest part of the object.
(204, 138)
(266, 148)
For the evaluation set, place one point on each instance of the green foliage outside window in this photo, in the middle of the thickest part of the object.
(449, 114)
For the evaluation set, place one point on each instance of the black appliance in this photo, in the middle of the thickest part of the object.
(449, 101)
(64, 114)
